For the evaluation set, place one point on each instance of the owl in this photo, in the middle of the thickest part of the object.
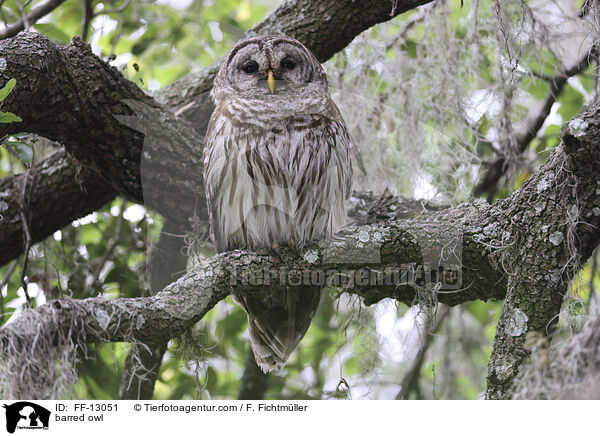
(277, 171)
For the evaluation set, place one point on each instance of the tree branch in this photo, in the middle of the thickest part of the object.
(142, 366)
(372, 248)
(35, 14)
(324, 26)
(410, 381)
(559, 207)
(497, 168)
(87, 7)
(63, 192)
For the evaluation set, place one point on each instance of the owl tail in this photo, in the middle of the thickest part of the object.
(278, 320)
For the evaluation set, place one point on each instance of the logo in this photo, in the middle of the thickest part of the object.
(26, 415)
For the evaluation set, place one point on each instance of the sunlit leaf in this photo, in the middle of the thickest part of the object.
(570, 101)
(7, 88)
(9, 117)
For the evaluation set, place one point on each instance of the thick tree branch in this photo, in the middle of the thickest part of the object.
(555, 229)
(51, 78)
(324, 26)
(372, 248)
(63, 192)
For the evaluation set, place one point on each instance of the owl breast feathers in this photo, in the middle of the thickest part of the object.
(277, 170)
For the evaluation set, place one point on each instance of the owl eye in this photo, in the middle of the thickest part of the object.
(288, 64)
(250, 67)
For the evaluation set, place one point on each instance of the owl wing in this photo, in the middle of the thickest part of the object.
(327, 176)
(214, 151)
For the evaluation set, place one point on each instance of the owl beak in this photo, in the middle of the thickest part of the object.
(271, 80)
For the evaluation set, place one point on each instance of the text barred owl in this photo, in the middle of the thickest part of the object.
(277, 170)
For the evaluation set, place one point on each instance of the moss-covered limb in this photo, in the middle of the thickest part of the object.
(554, 227)
(61, 191)
(348, 259)
(143, 319)
(59, 331)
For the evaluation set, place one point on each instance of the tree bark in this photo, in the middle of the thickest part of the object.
(553, 230)
(62, 191)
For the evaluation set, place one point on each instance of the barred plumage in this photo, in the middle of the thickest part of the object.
(277, 170)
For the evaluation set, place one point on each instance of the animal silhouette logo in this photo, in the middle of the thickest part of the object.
(26, 415)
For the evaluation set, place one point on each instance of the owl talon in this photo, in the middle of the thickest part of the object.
(293, 244)
(275, 248)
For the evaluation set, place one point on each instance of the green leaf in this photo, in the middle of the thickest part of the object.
(52, 32)
(410, 47)
(552, 129)
(537, 88)
(571, 102)
(587, 80)
(9, 117)
(24, 151)
(7, 89)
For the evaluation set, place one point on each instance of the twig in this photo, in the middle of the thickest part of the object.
(111, 248)
(117, 10)
(23, 14)
(497, 168)
(34, 15)
(5, 280)
(409, 24)
(410, 382)
(592, 274)
(87, 16)
(24, 211)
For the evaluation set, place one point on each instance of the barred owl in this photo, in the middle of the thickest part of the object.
(277, 170)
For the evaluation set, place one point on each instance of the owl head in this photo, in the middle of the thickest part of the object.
(272, 65)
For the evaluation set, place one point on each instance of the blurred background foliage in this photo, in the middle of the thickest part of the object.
(430, 98)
